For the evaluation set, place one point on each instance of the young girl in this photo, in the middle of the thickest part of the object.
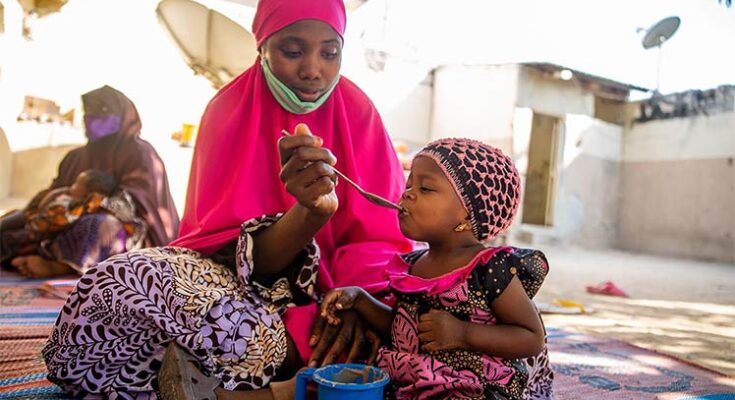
(463, 324)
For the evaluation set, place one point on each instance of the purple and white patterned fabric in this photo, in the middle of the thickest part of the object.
(111, 335)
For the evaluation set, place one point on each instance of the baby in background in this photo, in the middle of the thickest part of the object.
(57, 210)
(464, 325)
(61, 207)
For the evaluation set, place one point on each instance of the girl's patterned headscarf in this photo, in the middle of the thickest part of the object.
(485, 180)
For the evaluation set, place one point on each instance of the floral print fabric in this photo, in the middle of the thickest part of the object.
(112, 333)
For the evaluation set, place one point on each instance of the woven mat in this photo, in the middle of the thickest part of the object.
(588, 367)
(27, 315)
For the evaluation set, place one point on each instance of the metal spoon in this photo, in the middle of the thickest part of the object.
(371, 197)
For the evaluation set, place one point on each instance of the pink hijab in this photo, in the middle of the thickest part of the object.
(235, 171)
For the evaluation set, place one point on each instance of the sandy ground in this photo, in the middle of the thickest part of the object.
(680, 307)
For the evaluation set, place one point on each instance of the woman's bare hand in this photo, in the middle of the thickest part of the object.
(306, 171)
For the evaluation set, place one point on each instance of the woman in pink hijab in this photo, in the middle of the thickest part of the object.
(266, 230)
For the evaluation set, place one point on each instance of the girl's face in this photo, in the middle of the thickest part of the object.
(306, 56)
(433, 208)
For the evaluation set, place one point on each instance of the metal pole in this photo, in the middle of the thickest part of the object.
(658, 64)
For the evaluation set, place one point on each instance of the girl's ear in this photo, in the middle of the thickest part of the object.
(465, 217)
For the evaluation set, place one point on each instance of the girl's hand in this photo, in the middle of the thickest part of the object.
(352, 338)
(339, 299)
(440, 330)
(306, 171)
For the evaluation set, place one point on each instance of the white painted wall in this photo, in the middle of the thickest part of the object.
(552, 96)
(476, 102)
(35, 169)
(6, 165)
(588, 199)
(409, 120)
(681, 139)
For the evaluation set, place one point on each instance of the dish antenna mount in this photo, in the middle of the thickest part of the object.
(656, 36)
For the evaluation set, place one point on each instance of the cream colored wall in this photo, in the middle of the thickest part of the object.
(477, 102)
(410, 119)
(678, 187)
(665, 187)
(552, 96)
(6, 165)
(586, 210)
(692, 138)
(34, 169)
(495, 104)
(589, 200)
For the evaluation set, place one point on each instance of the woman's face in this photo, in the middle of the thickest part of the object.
(306, 56)
(432, 207)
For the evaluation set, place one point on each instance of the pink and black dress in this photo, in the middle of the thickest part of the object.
(467, 293)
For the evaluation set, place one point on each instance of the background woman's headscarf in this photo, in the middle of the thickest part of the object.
(132, 160)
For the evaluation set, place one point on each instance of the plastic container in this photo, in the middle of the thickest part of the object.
(343, 381)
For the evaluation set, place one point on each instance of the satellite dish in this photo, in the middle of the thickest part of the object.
(660, 32)
(212, 44)
(656, 36)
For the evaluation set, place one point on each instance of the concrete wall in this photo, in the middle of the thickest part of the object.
(678, 187)
(34, 169)
(553, 96)
(6, 165)
(588, 204)
(409, 120)
(586, 209)
(663, 187)
(477, 102)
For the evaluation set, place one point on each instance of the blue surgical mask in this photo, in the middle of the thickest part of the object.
(101, 126)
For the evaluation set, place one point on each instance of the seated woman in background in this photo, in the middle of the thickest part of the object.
(94, 191)
(114, 145)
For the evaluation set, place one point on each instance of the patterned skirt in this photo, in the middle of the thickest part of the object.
(91, 239)
(111, 335)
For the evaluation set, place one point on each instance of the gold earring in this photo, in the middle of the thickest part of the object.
(461, 227)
